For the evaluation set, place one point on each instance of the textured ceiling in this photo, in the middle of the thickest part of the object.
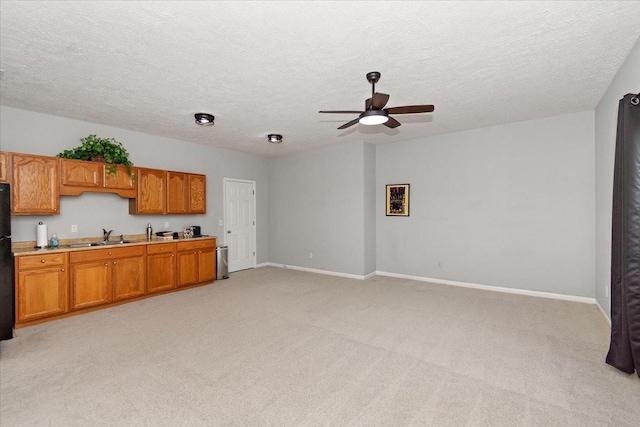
(268, 67)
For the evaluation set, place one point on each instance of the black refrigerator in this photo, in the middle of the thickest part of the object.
(6, 266)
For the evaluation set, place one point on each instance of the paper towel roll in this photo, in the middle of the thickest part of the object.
(41, 235)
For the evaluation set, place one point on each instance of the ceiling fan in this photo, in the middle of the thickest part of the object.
(374, 112)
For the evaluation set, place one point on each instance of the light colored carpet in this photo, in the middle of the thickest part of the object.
(285, 348)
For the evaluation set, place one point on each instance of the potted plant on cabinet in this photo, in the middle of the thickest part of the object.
(105, 150)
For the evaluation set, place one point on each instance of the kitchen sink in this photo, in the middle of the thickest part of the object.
(89, 244)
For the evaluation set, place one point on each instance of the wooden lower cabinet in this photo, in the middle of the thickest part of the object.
(104, 275)
(90, 284)
(128, 277)
(196, 262)
(42, 286)
(53, 284)
(207, 264)
(161, 267)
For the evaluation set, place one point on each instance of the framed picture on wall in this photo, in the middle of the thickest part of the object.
(398, 200)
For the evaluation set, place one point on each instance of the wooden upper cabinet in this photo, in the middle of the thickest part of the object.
(186, 193)
(177, 193)
(151, 197)
(197, 194)
(120, 180)
(4, 166)
(79, 176)
(35, 185)
(78, 173)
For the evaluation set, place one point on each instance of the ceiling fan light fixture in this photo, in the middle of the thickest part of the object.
(274, 138)
(204, 119)
(373, 117)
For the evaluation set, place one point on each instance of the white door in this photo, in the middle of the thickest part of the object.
(240, 223)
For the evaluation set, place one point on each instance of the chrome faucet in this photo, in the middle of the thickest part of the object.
(106, 234)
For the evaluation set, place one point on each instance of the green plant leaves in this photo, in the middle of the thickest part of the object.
(113, 152)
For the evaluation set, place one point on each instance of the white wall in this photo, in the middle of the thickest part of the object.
(369, 208)
(35, 133)
(627, 80)
(317, 204)
(508, 206)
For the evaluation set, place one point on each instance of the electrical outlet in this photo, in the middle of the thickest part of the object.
(310, 255)
(166, 224)
(74, 228)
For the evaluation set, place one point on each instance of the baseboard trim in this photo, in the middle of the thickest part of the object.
(539, 294)
(604, 314)
(315, 270)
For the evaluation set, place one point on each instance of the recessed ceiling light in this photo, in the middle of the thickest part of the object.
(274, 138)
(204, 119)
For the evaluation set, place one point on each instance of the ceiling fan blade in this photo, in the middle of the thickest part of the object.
(410, 109)
(342, 112)
(379, 100)
(351, 123)
(392, 123)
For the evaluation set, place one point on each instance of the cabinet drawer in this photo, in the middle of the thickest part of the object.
(196, 244)
(38, 261)
(100, 254)
(161, 248)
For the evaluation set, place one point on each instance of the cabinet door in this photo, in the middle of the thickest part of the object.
(41, 293)
(161, 272)
(197, 194)
(187, 264)
(120, 180)
(207, 264)
(35, 185)
(151, 192)
(81, 174)
(4, 163)
(128, 277)
(90, 284)
(177, 193)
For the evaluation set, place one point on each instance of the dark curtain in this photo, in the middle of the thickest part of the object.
(624, 350)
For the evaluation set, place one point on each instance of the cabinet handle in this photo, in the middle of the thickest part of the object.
(109, 253)
(62, 269)
(114, 263)
(42, 261)
(105, 264)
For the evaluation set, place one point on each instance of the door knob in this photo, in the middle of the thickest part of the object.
(228, 231)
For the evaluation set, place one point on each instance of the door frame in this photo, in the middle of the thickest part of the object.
(226, 220)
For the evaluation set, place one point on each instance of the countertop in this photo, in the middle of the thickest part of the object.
(27, 248)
